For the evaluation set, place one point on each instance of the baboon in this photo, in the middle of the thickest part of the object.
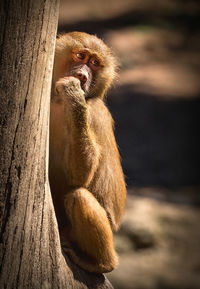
(86, 178)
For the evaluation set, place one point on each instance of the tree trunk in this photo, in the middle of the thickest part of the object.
(30, 252)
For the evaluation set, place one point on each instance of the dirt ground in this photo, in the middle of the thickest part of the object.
(158, 245)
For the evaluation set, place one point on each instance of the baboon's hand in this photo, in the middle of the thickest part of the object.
(69, 88)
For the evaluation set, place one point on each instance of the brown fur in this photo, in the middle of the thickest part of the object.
(86, 177)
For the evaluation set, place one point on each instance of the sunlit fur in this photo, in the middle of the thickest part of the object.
(67, 42)
(86, 177)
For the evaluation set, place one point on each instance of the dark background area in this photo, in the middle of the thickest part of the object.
(159, 140)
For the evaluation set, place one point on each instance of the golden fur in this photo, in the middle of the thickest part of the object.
(86, 177)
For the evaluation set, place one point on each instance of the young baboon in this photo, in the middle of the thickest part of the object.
(86, 177)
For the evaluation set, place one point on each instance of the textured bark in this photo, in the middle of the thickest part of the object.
(30, 252)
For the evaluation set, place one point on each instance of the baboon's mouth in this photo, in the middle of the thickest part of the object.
(84, 86)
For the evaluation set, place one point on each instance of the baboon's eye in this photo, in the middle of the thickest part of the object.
(95, 62)
(80, 55)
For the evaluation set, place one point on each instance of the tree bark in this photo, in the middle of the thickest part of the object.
(30, 252)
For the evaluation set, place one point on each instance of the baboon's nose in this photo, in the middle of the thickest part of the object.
(81, 76)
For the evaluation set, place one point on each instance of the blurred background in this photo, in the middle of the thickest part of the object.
(156, 107)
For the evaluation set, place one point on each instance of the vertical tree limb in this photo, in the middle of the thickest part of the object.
(30, 252)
